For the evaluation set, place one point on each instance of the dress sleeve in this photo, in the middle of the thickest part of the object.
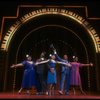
(58, 58)
(79, 64)
(24, 62)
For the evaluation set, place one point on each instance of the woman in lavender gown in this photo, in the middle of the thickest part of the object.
(75, 75)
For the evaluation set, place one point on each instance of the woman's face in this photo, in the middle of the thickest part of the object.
(53, 57)
(66, 57)
(29, 58)
(76, 59)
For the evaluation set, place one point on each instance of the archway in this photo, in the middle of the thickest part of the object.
(57, 29)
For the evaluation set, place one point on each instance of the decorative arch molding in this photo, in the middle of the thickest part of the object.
(50, 10)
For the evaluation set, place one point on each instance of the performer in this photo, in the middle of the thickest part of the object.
(65, 74)
(51, 78)
(41, 71)
(28, 81)
(75, 75)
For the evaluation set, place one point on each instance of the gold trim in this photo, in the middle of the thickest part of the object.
(17, 13)
(45, 11)
(16, 16)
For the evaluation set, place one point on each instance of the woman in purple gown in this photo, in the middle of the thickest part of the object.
(75, 75)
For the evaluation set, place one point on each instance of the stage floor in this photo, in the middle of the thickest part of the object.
(15, 95)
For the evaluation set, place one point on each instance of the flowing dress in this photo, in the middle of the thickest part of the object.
(28, 80)
(75, 75)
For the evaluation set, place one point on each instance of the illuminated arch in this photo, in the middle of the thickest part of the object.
(60, 26)
(91, 31)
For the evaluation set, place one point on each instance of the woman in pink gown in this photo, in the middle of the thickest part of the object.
(75, 75)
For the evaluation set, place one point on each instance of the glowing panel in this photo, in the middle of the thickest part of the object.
(57, 11)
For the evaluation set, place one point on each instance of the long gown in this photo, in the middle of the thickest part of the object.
(75, 75)
(28, 80)
(51, 78)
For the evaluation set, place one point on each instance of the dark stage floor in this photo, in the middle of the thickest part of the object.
(15, 95)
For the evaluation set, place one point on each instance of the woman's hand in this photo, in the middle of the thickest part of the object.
(91, 64)
(13, 66)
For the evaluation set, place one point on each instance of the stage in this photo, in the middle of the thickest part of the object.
(29, 27)
(15, 95)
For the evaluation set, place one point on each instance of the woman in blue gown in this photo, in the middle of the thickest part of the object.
(51, 78)
(28, 80)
